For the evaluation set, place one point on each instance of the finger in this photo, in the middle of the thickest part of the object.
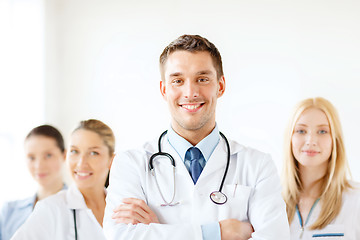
(133, 212)
(133, 207)
(133, 217)
(129, 201)
(138, 205)
(141, 203)
(126, 221)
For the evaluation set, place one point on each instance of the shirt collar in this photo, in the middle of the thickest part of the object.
(31, 200)
(74, 198)
(206, 145)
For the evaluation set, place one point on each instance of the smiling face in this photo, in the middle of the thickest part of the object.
(44, 160)
(311, 140)
(191, 88)
(89, 159)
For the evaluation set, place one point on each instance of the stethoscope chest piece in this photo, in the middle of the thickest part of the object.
(218, 197)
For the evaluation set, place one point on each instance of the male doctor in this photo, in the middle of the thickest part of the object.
(176, 204)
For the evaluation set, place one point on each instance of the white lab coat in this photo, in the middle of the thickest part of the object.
(347, 222)
(252, 186)
(53, 219)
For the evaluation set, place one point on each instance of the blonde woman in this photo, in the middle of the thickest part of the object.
(321, 201)
(77, 213)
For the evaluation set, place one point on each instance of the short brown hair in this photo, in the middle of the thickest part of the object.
(50, 132)
(192, 43)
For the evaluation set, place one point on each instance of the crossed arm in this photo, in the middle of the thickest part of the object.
(135, 211)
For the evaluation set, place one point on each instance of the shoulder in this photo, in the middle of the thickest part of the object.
(352, 193)
(135, 156)
(248, 153)
(53, 202)
(18, 205)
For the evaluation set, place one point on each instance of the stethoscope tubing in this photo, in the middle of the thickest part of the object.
(75, 227)
(227, 162)
(160, 153)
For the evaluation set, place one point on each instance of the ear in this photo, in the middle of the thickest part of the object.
(163, 88)
(221, 88)
(64, 154)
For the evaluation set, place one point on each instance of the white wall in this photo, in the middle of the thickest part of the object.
(102, 62)
(21, 90)
(275, 53)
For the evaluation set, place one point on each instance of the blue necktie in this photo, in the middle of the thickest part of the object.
(193, 154)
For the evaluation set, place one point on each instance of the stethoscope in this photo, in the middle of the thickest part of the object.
(75, 227)
(217, 197)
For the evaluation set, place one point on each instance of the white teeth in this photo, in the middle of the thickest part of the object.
(191, 107)
(82, 174)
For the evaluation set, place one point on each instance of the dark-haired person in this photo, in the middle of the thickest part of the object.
(45, 157)
(77, 213)
(180, 203)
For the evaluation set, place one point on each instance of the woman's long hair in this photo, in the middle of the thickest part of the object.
(335, 180)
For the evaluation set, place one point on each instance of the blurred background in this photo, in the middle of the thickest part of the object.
(62, 61)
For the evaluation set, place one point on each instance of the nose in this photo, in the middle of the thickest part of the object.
(81, 161)
(311, 139)
(191, 90)
(38, 163)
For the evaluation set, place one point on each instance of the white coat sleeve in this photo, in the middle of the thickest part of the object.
(39, 226)
(357, 218)
(267, 210)
(127, 180)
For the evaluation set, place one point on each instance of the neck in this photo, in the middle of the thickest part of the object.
(194, 136)
(312, 180)
(94, 197)
(45, 191)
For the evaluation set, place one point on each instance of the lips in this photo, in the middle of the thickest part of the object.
(82, 174)
(193, 107)
(311, 153)
(41, 175)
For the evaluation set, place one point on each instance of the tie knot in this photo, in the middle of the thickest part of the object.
(194, 153)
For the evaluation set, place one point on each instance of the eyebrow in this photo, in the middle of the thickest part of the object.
(202, 72)
(72, 146)
(94, 147)
(304, 125)
(176, 74)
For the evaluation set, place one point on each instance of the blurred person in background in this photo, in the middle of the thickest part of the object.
(321, 201)
(78, 211)
(45, 157)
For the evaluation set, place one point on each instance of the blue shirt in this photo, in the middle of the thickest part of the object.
(14, 214)
(207, 145)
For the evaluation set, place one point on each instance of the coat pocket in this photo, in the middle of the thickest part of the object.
(237, 201)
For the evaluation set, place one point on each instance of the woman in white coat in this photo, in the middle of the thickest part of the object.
(77, 213)
(321, 202)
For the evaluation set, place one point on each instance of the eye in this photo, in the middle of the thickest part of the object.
(203, 79)
(176, 81)
(49, 155)
(93, 153)
(31, 158)
(300, 131)
(73, 151)
(323, 132)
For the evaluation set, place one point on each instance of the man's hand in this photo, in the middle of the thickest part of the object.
(134, 211)
(232, 229)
